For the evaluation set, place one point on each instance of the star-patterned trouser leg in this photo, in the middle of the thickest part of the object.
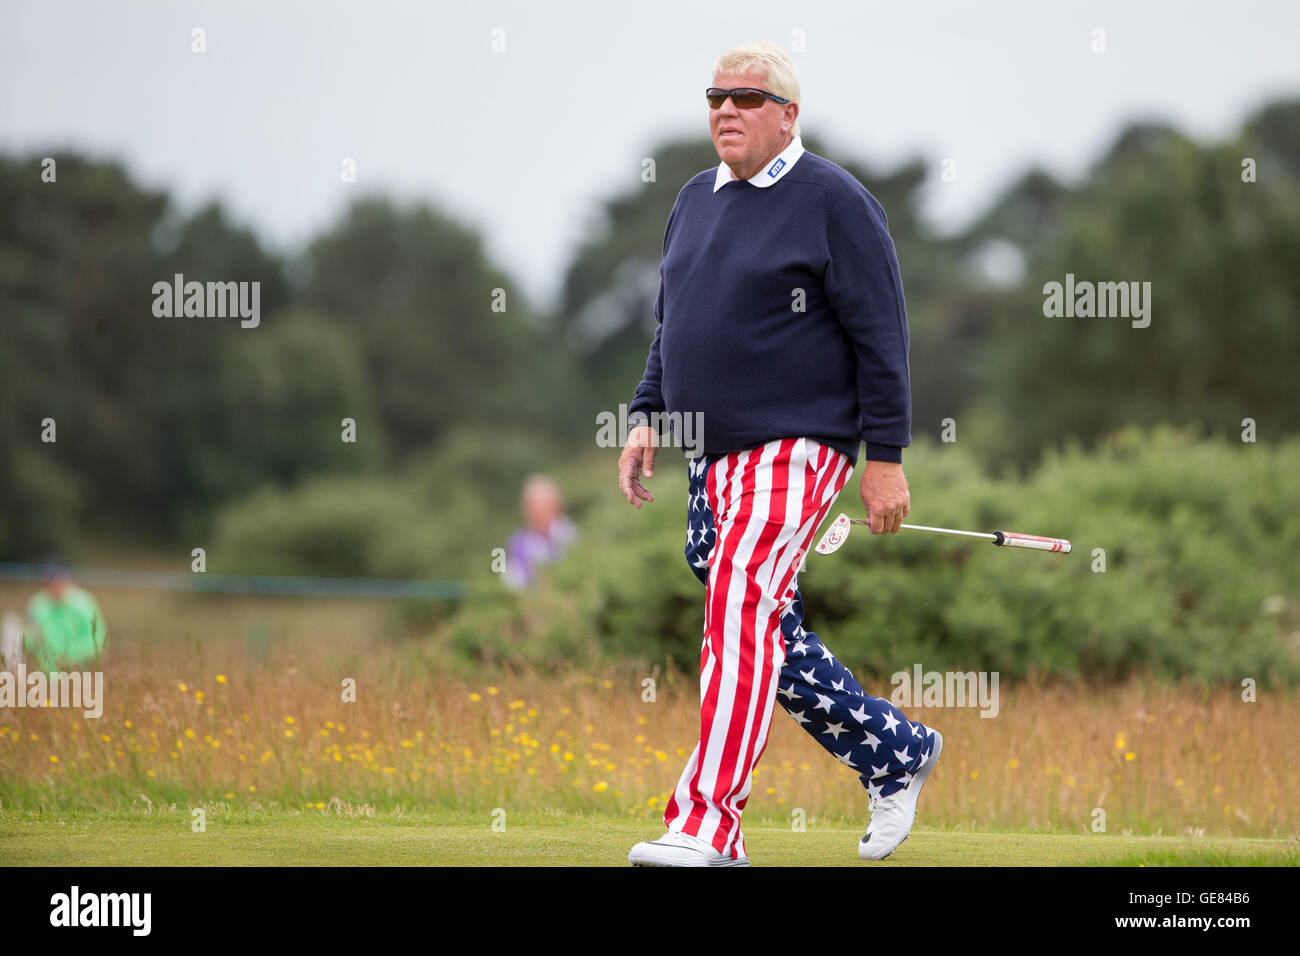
(867, 734)
(765, 505)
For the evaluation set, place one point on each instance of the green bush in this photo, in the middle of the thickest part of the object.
(330, 527)
(1198, 539)
(51, 501)
(442, 517)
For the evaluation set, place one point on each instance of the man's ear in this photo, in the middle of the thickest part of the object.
(792, 114)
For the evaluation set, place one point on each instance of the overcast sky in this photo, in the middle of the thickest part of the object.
(525, 142)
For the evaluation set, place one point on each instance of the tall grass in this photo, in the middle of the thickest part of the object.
(192, 721)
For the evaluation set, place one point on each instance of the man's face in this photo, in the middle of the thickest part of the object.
(541, 506)
(747, 139)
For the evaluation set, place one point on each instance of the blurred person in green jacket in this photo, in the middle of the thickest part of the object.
(65, 627)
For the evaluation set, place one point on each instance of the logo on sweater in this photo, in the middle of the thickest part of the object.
(775, 169)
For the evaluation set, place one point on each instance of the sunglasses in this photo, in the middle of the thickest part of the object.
(744, 98)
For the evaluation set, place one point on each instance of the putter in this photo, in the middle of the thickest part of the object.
(838, 533)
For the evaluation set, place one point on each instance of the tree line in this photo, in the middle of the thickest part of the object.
(119, 423)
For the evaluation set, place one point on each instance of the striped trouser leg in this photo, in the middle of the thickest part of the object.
(867, 734)
(765, 505)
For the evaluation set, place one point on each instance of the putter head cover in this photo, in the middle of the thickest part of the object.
(835, 535)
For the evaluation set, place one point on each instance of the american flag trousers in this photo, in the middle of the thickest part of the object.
(751, 517)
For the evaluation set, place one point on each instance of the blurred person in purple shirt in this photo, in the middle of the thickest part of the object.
(547, 532)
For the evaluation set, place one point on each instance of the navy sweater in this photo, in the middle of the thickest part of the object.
(730, 341)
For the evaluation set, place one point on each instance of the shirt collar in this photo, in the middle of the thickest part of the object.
(769, 174)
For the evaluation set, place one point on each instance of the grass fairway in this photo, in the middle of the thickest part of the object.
(294, 838)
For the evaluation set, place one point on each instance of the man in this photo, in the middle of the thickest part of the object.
(782, 324)
(67, 628)
(546, 534)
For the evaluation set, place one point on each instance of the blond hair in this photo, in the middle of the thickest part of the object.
(768, 60)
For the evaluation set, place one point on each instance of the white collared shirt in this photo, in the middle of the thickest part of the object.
(771, 173)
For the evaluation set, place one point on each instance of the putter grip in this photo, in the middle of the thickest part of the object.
(1010, 539)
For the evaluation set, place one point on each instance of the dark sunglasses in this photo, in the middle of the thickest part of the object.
(744, 98)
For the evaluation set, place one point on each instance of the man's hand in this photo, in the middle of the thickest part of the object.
(884, 493)
(638, 455)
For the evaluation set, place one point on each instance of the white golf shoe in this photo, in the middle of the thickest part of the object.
(892, 816)
(680, 849)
